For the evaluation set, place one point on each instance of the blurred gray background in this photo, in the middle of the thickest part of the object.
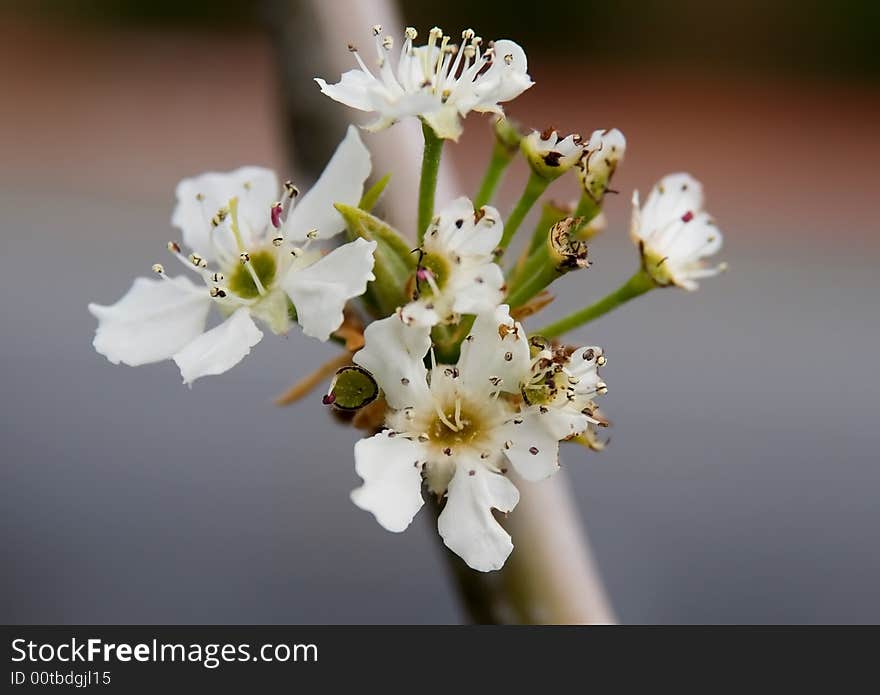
(741, 483)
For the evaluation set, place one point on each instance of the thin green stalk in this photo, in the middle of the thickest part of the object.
(428, 183)
(535, 187)
(587, 209)
(501, 158)
(638, 284)
(537, 280)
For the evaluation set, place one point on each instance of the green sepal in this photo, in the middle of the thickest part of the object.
(371, 197)
(394, 261)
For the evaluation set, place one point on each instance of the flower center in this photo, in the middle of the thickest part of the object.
(459, 424)
(241, 281)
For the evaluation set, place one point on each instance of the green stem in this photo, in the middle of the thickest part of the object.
(587, 209)
(538, 274)
(428, 183)
(638, 284)
(501, 158)
(535, 186)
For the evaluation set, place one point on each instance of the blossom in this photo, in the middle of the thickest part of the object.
(674, 234)
(255, 259)
(456, 273)
(440, 82)
(549, 155)
(602, 154)
(458, 427)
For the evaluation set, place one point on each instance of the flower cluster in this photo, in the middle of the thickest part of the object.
(457, 398)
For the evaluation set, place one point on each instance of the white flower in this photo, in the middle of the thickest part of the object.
(674, 233)
(459, 426)
(602, 154)
(549, 155)
(243, 251)
(440, 82)
(457, 273)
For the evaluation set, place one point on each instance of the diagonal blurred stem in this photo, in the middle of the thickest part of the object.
(550, 577)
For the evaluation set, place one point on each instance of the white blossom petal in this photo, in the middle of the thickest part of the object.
(466, 523)
(496, 348)
(219, 349)
(152, 321)
(394, 353)
(341, 182)
(320, 291)
(478, 289)
(532, 446)
(391, 470)
(201, 197)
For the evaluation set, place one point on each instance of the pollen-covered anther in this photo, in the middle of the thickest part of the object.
(312, 234)
(388, 43)
(173, 246)
(244, 257)
(216, 277)
(197, 260)
(217, 292)
(158, 268)
(278, 241)
(508, 59)
(296, 252)
(291, 190)
(601, 388)
(221, 215)
(377, 29)
(601, 360)
(411, 33)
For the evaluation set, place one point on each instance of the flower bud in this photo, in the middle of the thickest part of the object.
(601, 157)
(548, 155)
(507, 133)
(566, 252)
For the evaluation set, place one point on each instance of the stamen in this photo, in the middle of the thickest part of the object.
(246, 262)
(158, 268)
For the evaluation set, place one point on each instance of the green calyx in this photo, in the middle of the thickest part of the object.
(394, 265)
(241, 282)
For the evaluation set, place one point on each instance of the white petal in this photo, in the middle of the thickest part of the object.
(496, 348)
(478, 289)
(672, 197)
(466, 522)
(152, 321)
(421, 312)
(394, 353)
(351, 90)
(199, 198)
(534, 445)
(504, 80)
(341, 182)
(319, 291)
(583, 365)
(219, 349)
(391, 471)
(445, 122)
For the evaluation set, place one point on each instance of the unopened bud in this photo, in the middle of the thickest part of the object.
(602, 154)
(549, 155)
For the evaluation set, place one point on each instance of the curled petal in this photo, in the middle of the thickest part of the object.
(495, 355)
(200, 198)
(466, 523)
(219, 349)
(391, 470)
(341, 182)
(151, 322)
(394, 353)
(320, 291)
